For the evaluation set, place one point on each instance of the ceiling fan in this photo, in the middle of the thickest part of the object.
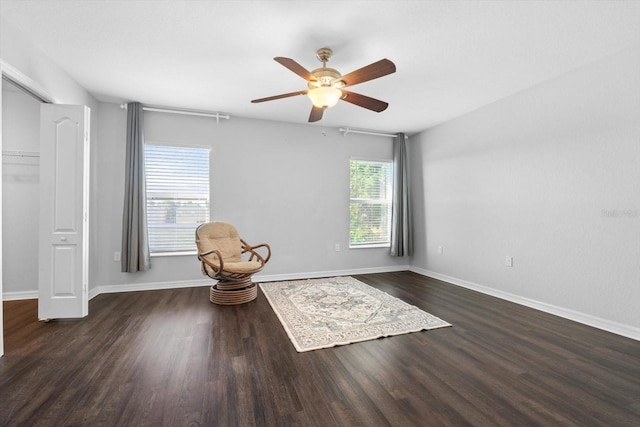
(326, 85)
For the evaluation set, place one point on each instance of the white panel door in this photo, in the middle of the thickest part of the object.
(64, 217)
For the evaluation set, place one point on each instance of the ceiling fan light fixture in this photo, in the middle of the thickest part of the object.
(324, 96)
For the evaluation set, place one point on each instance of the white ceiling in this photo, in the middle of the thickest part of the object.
(451, 56)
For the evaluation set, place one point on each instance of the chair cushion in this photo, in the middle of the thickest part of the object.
(243, 267)
(230, 248)
(223, 237)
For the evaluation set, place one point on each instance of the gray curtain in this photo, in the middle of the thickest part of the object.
(401, 227)
(135, 241)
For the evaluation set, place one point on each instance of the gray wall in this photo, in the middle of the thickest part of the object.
(550, 176)
(284, 184)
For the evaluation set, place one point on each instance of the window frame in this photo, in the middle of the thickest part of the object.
(194, 251)
(390, 202)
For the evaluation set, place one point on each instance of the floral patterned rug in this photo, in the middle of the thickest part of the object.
(322, 313)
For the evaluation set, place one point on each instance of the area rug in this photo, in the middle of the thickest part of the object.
(322, 313)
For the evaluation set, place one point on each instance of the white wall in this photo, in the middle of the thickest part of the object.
(20, 192)
(283, 184)
(550, 176)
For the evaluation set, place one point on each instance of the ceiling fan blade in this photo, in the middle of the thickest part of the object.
(364, 101)
(295, 67)
(369, 72)
(316, 114)
(284, 95)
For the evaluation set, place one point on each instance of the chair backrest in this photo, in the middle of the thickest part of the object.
(221, 236)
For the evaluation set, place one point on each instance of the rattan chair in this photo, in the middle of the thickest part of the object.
(230, 260)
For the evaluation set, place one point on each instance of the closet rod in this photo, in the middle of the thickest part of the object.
(217, 116)
(366, 132)
(20, 153)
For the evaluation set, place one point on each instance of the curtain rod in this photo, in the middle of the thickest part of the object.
(217, 116)
(366, 132)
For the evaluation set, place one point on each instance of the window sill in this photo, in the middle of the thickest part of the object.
(370, 246)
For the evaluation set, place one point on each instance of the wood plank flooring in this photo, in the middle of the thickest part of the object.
(171, 358)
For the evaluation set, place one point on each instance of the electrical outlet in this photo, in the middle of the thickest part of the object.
(116, 256)
(508, 261)
(337, 247)
(440, 250)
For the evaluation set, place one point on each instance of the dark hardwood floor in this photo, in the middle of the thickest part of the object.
(171, 358)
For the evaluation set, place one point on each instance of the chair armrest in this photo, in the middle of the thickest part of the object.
(216, 269)
(206, 253)
(254, 254)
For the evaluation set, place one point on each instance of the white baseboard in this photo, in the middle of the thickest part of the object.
(151, 286)
(586, 319)
(13, 296)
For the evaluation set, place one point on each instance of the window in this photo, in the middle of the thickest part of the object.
(177, 180)
(370, 207)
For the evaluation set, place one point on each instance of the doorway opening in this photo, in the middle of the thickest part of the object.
(19, 141)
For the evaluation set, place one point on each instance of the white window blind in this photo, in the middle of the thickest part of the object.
(370, 206)
(177, 180)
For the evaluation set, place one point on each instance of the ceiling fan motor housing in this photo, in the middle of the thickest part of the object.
(326, 77)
